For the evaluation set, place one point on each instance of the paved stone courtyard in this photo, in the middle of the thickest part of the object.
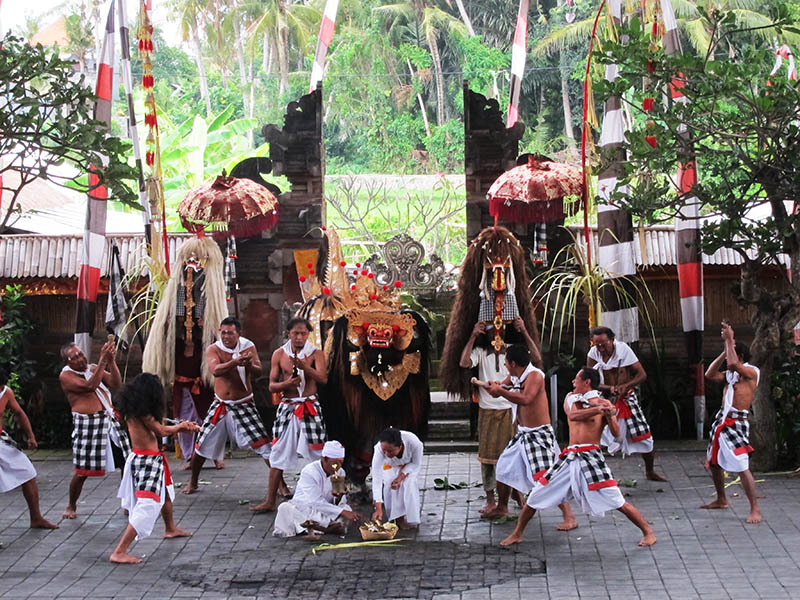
(454, 555)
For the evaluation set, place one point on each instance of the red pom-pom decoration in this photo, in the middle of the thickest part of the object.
(398, 284)
(326, 291)
(343, 263)
(365, 326)
(310, 265)
(386, 287)
(364, 271)
(302, 278)
(324, 228)
(358, 265)
(353, 287)
(311, 271)
(371, 275)
(373, 296)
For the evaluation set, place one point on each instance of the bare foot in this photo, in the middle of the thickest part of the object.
(188, 489)
(567, 525)
(125, 559)
(284, 491)
(716, 504)
(514, 538)
(755, 516)
(648, 540)
(490, 506)
(264, 507)
(496, 513)
(69, 513)
(404, 525)
(176, 533)
(653, 476)
(311, 536)
(42, 523)
(219, 464)
(186, 467)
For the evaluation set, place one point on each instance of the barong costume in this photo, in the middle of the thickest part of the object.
(402, 502)
(580, 473)
(313, 498)
(634, 432)
(729, 446)
(145, 483)
(94, 435)
(235, 420)
(15, 467)
(299, 427)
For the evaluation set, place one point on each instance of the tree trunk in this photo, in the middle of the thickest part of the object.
(567, 110)
(266, 54)
(243, 80)
(465, 18)
(283, 48)
(437, 73)
(421, 103)
(763, 419)
(201, 68)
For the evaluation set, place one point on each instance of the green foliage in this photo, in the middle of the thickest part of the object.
(46, 121)
(786, 395)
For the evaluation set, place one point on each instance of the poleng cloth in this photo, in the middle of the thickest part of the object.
(146, 483)
(90, 444)
(307, 411)
(495, 429)
(15, 467)
(593, 466)
(729, 445)
(244, 414)
(630, 410)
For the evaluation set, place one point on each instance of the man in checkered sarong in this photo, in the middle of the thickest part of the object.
(99, 443)
(297, 369)
(233, 360)
(729, 447)
(146, 488)
(581, 472)
(620, 373)
(534, 448)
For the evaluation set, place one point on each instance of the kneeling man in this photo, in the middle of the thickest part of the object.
(581, 471)
(396, 460)
(314, 506)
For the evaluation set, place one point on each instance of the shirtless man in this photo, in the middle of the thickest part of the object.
(16, 469)
(146, 488)
(297, 368)
(620, 373)
(729, 447)
(96, 430)
(233, 361)
(581, 471)
(534, 449)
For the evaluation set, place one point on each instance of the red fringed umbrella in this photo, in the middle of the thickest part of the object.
(534, 193)
(232, 206)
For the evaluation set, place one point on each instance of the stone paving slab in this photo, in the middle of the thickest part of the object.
(453, 555)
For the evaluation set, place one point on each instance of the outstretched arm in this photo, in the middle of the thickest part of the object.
(713, 372)
(730, 354)
(530, 390)
(22, 419)
(112, 377)
(162, 430)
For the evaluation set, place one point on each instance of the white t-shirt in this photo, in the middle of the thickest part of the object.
(487, 363)
(622, 356)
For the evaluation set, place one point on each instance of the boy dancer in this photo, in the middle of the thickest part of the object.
(16, 469)
(729, 447)
(146, 487)
(581, 471)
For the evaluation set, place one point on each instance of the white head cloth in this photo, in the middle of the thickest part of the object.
(333, 449)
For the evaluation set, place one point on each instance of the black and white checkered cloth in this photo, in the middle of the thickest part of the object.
(120, 436)
(5, 438)
(89, 443)
(638, 429)
(736, 430)
(197, 295)
(593, 465)
(510, 310)
(314, 424)
(149, 475)
(540, 448)
(245, 416)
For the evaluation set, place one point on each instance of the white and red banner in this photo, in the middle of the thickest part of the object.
(326, 29)
(518, 51)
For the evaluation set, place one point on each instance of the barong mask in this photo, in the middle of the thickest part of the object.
(498, 306)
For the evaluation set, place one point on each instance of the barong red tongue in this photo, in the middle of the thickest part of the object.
(306, 408)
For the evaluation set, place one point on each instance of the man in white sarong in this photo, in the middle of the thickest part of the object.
(314, 507)
(99, 443)
(620, 374)
(533, 449)
(16, 469)
(396, 461)
(233, 361)
(729, 447)
(297, 368)
(581, 472)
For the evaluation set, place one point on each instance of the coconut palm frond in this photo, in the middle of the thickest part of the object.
(697, 34)
(444, 21)
(747, 19)
(566, 37)
(685, 9)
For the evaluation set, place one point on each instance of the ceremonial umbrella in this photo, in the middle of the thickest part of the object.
(233, 207)
(534, 192)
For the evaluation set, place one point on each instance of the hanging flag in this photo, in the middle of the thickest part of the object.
(326, 28)
(518, 51)
(94, 239)
(614, 225)
(781, 54)
(687, 239)
(118, 308)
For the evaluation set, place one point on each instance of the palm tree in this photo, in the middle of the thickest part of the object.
(430, 21)
(188, 12)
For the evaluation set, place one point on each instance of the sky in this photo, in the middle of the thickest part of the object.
(14, 12)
